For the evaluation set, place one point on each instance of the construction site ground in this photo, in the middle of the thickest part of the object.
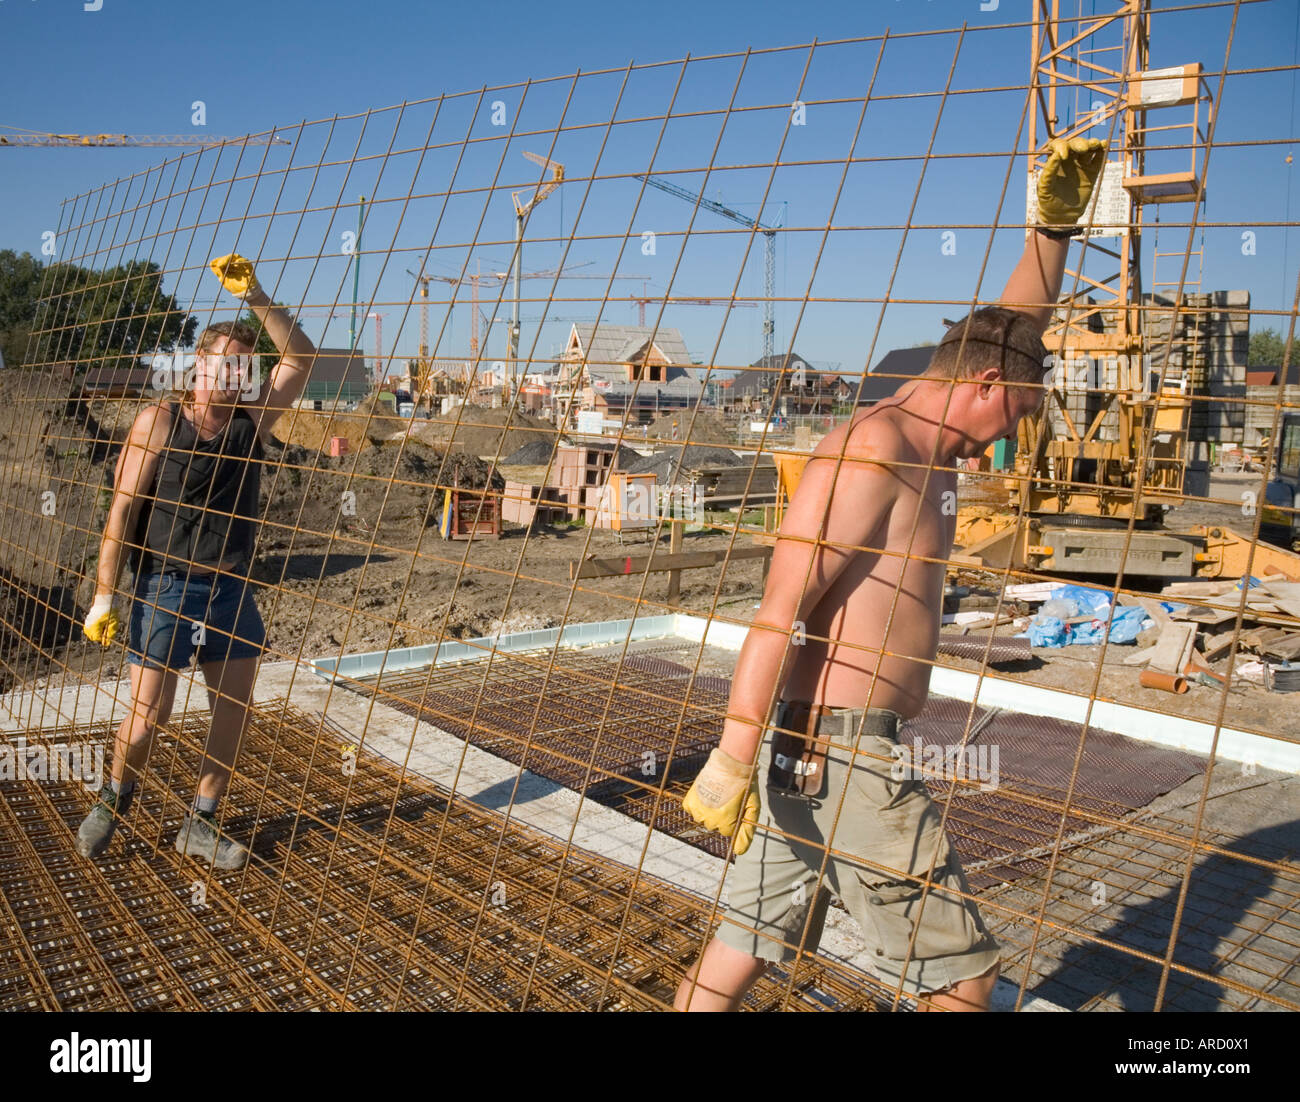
(334, 581)
(1120, 884)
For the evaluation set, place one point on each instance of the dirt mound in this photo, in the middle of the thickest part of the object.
(625, 457)
(669, 463)
(487, 432)
(416, 463)
(360, 427)
(538, 454)
(387, 484)
(530, 455)
(704, 428)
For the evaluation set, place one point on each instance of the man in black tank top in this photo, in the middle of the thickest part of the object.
(185, 509)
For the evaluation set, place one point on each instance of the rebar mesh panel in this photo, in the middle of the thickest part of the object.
(369, 891)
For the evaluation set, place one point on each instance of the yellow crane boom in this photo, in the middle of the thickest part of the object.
(77, 141)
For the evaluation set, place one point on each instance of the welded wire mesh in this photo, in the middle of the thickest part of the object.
(521, 513)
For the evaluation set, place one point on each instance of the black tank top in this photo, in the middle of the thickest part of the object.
(204, 507)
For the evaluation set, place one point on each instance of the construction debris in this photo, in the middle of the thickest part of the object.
(1172, 651)
(1170, 683)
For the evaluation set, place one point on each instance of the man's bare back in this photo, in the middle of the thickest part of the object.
(850, 618)
(890, 601)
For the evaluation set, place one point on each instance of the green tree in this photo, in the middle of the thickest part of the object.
(1266, 349)
(20, 288)
(124, 314)
(108, 318)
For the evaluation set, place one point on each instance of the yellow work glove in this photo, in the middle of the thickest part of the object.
(1066, 182)
(236, 274)
(102, 621)
(725, 798)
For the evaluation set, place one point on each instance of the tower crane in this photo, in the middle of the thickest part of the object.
(769, 252)
(678, 300)
(484, 279)
(522, 211)
(1113, 445)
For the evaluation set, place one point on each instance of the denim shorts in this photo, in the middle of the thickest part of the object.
(174, 617)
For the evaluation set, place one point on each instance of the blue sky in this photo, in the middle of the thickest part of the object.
(139, 67)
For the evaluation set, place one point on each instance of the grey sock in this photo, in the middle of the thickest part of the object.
(122, 788)
(206, 804)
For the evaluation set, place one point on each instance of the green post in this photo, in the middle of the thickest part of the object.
(356, 276)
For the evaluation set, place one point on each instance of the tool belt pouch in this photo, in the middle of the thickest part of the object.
(798, 764)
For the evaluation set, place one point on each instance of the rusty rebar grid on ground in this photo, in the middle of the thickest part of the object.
(291, 932)
(1000, 830)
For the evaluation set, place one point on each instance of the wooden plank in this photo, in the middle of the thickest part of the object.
(1286, 648)
(592, 567)
(1200, 614)
(674, 548)
(1286, 595)
(1153, 608)
(1030, 591)
(1260, 637)
(1220, 647)
(1140, 658)
(1173, 648)
(1197, 589)
(987, 622)
(1257, 613)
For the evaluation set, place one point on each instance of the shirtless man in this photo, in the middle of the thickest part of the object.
(856, 580)
(185, 507)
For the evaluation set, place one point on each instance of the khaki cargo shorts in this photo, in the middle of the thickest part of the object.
(887, 834)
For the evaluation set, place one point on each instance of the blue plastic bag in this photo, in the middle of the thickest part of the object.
(1050, 631)
(1089, 600)
(1127, 623)
(1047, 631)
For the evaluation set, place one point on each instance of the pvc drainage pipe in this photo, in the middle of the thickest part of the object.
(1171, 683)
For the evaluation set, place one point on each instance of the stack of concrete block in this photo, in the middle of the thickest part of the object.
(1209, 349)
(519, 502)
(582, 466)
(575, 471)
(524, 501)
(1261, 412)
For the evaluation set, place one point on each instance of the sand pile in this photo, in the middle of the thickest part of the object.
(361, 428)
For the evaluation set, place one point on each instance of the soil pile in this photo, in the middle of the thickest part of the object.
(390, 484)
(670, 463)
(481, 431)
(531, 455)
(370, 423)
(704, 428)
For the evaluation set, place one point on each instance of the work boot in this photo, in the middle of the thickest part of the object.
(200, 837)
(97, 828)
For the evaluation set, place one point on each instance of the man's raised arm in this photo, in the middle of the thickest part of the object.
(1064, 189)
(289, 376)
